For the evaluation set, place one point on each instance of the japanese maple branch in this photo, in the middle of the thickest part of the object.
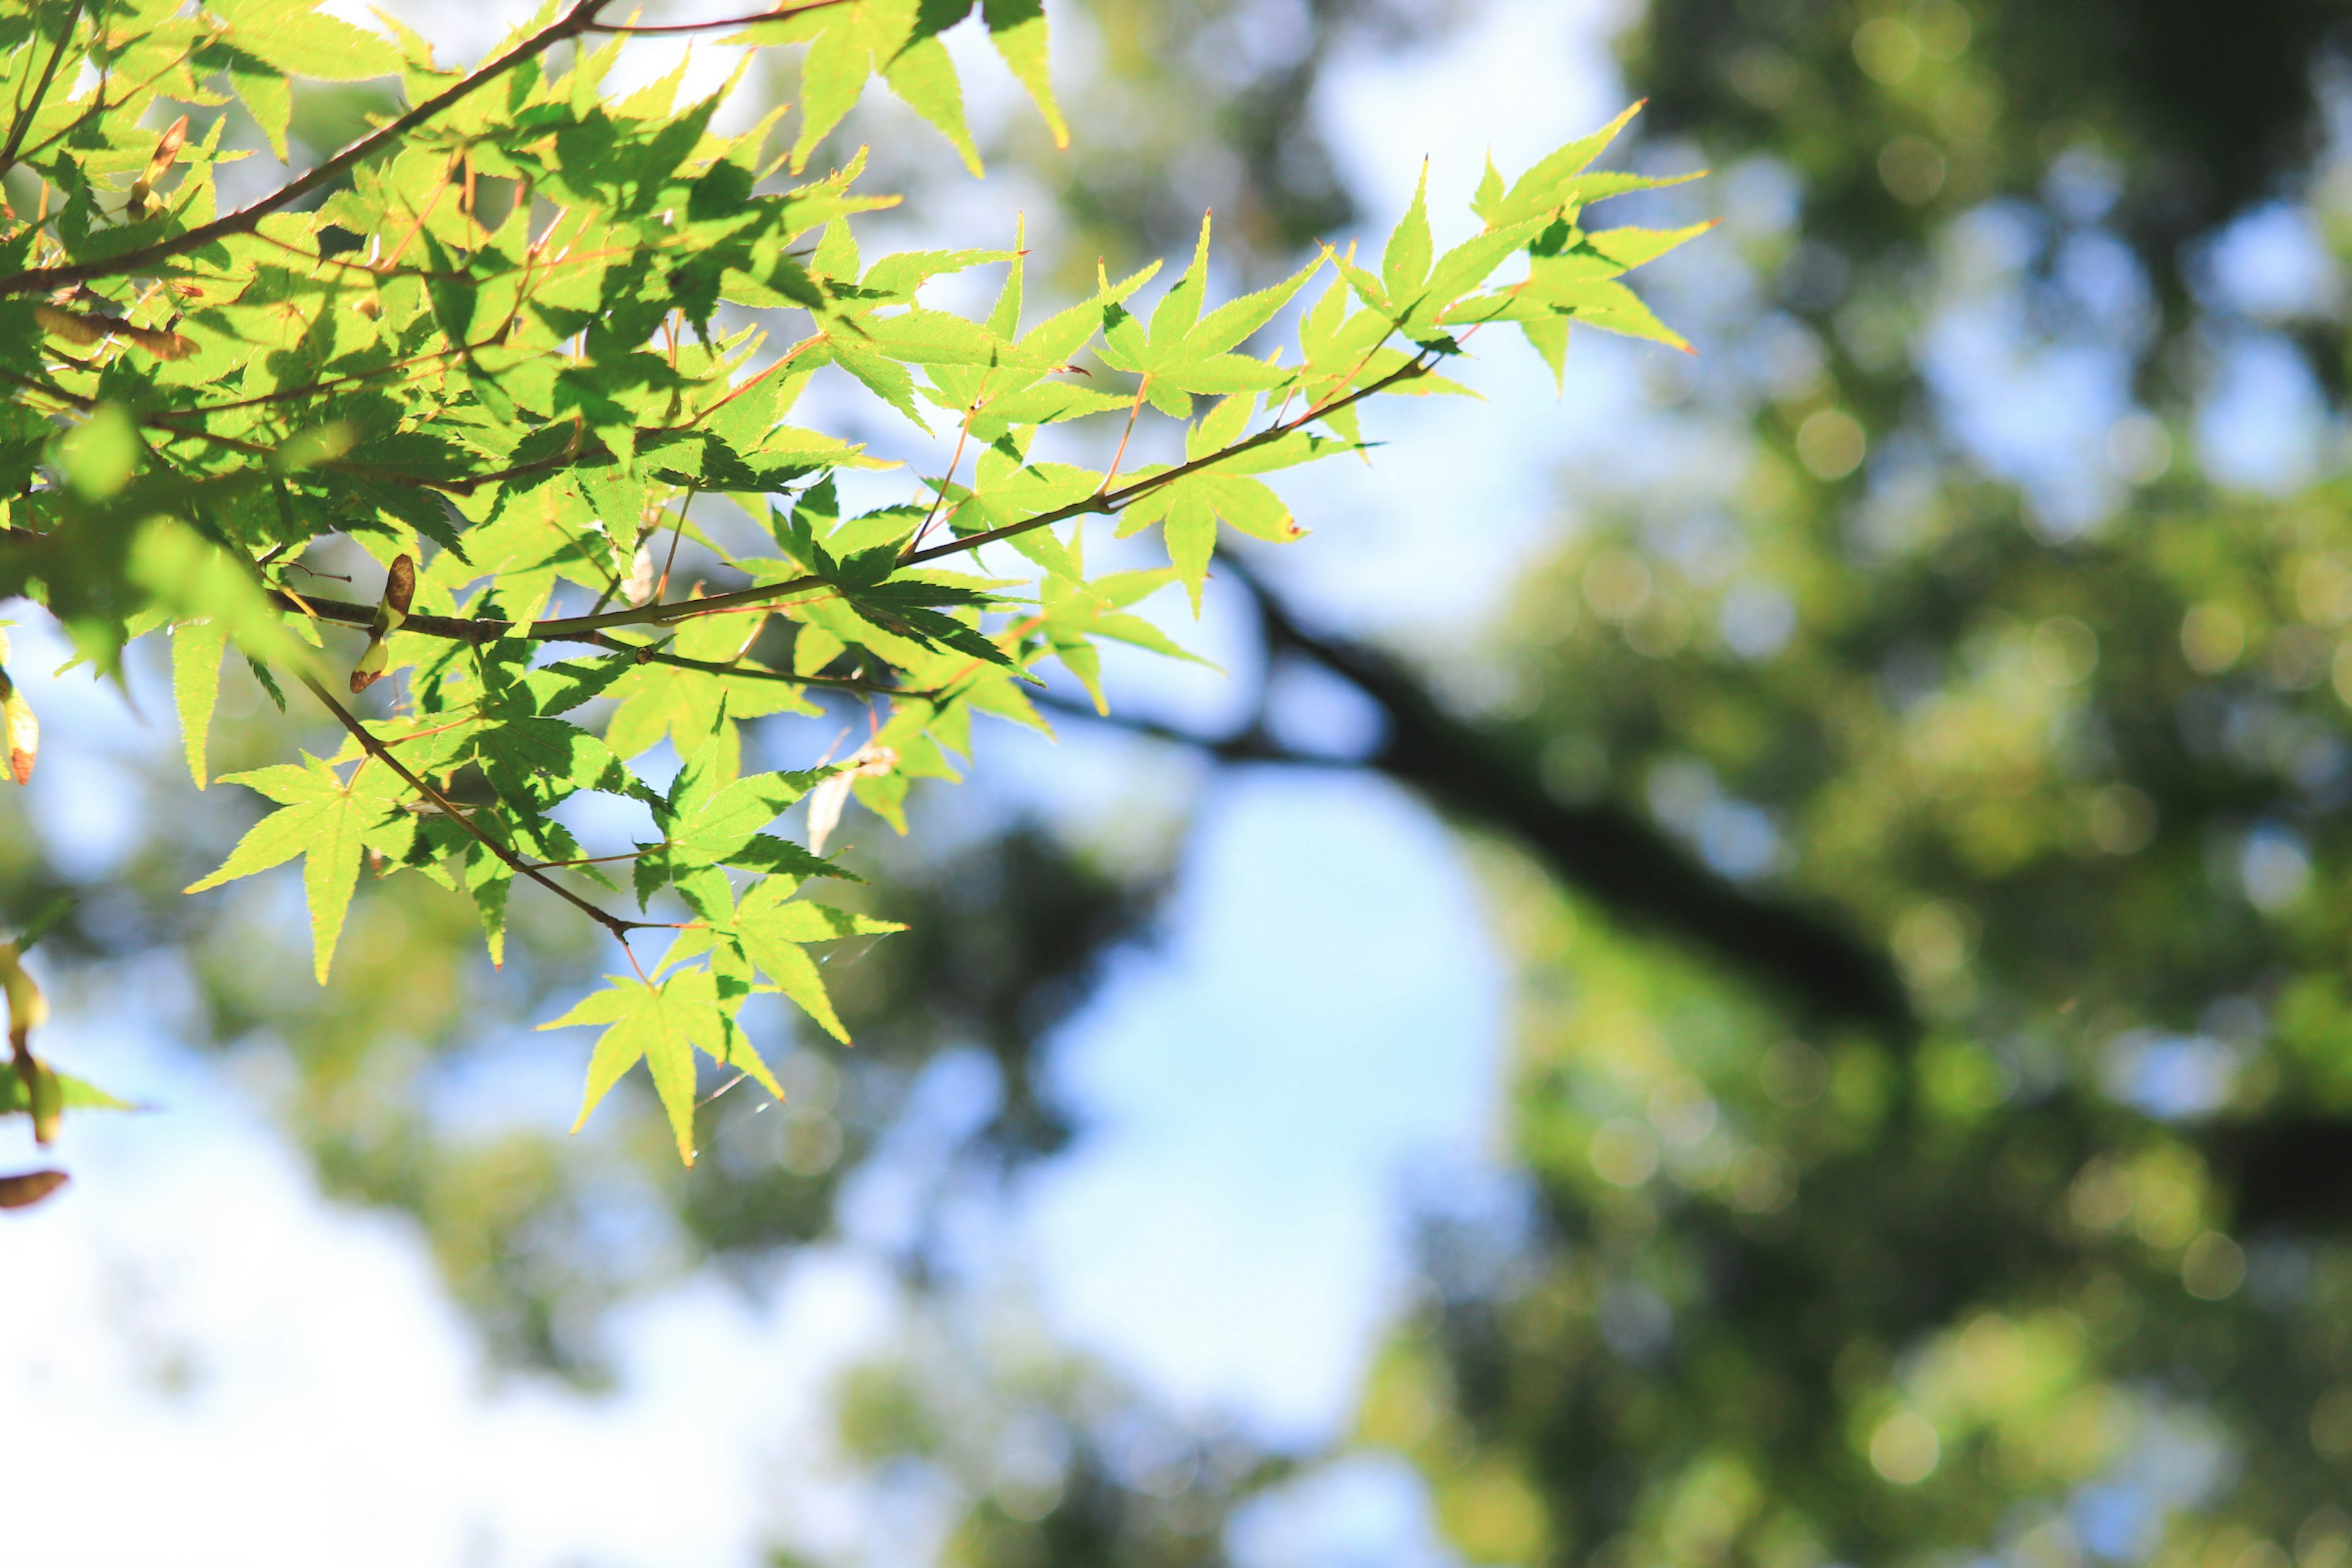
(1104, 503)
(584, 628)
(580, 19)
(587, 628)
(382, 752)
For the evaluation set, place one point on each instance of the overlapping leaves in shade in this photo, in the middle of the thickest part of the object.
(508, 344)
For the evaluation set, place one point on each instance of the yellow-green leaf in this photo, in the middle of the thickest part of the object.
(196, 650)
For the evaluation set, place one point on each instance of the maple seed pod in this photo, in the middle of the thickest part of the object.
(28, 1187)
(20, 729)
(27, 1008)
(27, 1011)
(47, 1096)
(77, 327)
(167, 151)
(399, 593)
(70, 325)
(370, 668)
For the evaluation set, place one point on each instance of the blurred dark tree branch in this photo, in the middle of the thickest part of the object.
(1489, 775)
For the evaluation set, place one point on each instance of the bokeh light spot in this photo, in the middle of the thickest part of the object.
(1904, 1449)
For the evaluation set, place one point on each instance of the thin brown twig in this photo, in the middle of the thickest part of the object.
(765, 607)
(676, 535)
(782, 360)
(1134, 411)
(416, 224)
(780, 13)
(591, 860)
(963, 435)
(436, 730)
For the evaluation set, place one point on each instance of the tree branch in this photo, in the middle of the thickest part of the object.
(455, 628)
(1248, 744)
(571, 25)
(1488, 776)
(382, 752)
(780, 13)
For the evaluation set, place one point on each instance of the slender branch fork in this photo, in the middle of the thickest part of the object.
(378, 751)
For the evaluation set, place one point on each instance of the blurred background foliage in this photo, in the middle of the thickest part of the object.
(1998, 679)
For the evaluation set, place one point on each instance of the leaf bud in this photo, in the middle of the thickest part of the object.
(20, 729)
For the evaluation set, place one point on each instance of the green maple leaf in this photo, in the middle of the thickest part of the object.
(660, 1023)
(908, 607)
(323, 819)
(1190, 508)
(1006, 490)
(661, 699)
(997, 398)
(1077, 612)
(727, 827)
(877, 348)
(268, 40)
(851, 44)
(1404, 265)
(549, 759)
(710, 818)
(899, 41)
(1017, 28)
(1182, 352)
(774, 933)
(1415, 286)
(558, 688)
(1559, 183)
(196, 649)
(1422, 295)
(1574, 280)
